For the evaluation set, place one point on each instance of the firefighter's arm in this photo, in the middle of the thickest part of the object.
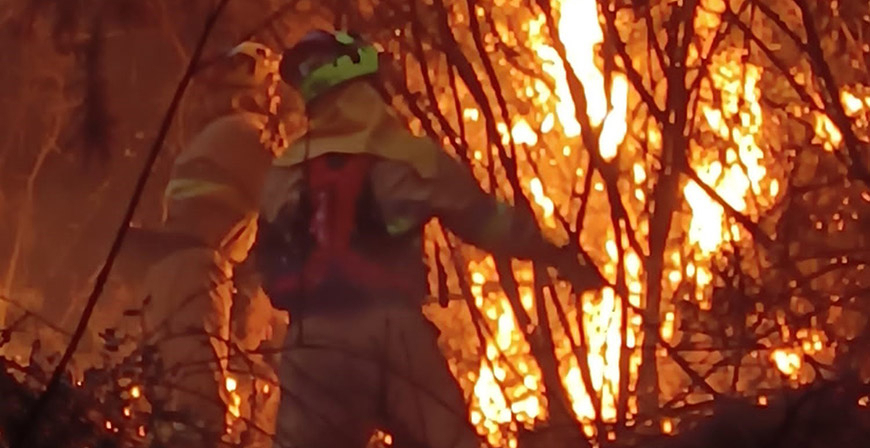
(254, 319)
(497, 227)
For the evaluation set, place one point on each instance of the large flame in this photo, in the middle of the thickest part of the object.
(496, 401)
(731, 112)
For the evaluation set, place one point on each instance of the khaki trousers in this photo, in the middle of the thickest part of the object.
(187, 319)
(343, 376)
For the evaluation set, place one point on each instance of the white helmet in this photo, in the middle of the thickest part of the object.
(251, 63)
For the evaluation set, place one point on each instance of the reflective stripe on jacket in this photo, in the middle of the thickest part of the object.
(216, 182)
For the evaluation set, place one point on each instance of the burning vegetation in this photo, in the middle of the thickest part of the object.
(709, 156)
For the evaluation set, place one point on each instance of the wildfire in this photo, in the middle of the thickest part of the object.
(507, 393)
(732, 163)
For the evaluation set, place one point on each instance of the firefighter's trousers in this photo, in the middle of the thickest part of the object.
(343, 376)
(187, 319)
(258, 333)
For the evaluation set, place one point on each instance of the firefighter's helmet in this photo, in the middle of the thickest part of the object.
(251, 63)
(322, 60)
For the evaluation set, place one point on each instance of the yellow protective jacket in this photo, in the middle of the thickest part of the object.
(412, 181)
(214, 190)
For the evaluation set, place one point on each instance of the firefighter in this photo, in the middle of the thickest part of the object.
(211, 209)
(340, 246)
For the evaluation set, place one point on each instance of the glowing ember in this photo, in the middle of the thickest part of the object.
(235, 400)
(382, 437)
(667, 426)
(231, 384)
(788, 361)
(135, 392)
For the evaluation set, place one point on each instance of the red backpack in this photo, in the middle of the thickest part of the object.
(319, 245)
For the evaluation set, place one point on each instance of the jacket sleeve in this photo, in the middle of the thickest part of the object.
(214, 188)
(481, 219)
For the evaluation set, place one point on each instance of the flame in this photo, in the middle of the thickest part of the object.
(615, 126)
(537, 190)
(500, 397)
(736, 121)
(827, 132)
(135, 392)
(580, 32)
(855, 105)
(235, 400)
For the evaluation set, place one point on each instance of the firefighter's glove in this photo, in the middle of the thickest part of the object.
(575, 269)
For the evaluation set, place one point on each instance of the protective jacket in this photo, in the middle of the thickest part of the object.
(410, 181)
